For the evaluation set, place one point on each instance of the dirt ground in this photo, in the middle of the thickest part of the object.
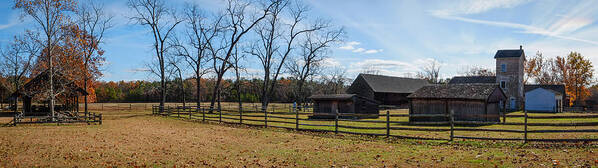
(137, 139)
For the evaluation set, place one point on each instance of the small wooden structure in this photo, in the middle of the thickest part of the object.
(544, 98)
(36, 90)
(327, 106)
(468, 102)
(388, 90)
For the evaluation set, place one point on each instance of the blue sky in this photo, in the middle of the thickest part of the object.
(394, 37)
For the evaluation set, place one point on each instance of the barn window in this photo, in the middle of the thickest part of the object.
(503, 67)
(503, 84)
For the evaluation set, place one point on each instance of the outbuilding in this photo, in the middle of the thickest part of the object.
(468, 102)
(327, 106)
(388, 90)
(544, 98)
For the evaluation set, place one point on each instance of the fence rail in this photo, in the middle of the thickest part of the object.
(389, 124)
(89, 119)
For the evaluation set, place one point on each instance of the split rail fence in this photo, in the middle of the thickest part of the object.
(89, 119)
(526, 128)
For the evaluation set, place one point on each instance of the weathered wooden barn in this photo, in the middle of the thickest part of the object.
(326, 106)
(468, 102)
(387, 90)
(36, 90)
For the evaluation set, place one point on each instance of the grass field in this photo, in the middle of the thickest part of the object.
(130, 138)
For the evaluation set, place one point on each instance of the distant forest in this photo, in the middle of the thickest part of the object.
(145, 91)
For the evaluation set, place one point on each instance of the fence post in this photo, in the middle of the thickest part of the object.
(219, 114)
(336, 123)
(100, 119)
(203, 114)
(452, 122)
(387, 123)
(178, 112)
(296, 119)
(130, 106)
(265, 116)
(190, 112)
(525, 127)
(241, 114)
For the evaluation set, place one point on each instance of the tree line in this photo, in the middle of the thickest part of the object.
(148, 91)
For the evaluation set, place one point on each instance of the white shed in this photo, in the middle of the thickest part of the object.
(543, 100)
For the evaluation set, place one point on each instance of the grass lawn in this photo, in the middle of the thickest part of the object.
(134, 138)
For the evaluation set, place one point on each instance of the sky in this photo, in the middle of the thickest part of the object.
(392, 37)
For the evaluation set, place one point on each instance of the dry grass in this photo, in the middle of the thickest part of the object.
(133, 138)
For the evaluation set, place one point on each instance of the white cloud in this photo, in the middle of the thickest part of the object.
(138, 70)
(359, 50)
(528, 29)
(330, 62)
(476, 6)
(349, 45)
(373, 51)
(352, 46)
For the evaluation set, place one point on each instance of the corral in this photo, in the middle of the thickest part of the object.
(131, 137)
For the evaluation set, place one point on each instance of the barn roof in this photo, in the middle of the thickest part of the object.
(557, 88)
(472, 79)
(391, 84)
(331, 96)
(455, 91)
(40, 84)
(509, 53)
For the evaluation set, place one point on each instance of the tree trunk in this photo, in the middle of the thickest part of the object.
(85, 87)
(198, 81)
(215, 93)
(162, 84)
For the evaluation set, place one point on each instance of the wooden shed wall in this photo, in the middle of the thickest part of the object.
(361, 88)
(464, 110)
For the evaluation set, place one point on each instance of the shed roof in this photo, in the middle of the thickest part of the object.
(455, 91)
(391, 84)
(472, 79)
(509, 53)
(557, 88)
(331, 96)
(40, 84)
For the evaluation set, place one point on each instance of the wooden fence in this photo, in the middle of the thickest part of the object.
(518, 126)
(89, 119)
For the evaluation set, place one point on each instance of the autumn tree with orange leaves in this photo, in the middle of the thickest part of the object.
(70, 47)
(50, 16)
(574, 71)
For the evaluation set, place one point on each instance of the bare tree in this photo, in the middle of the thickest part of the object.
(273, 35)
(479, 71)
(238, 24)
(50, 16)
(313, 51)
(430, 72)
(162, 21)
(236, 59)
(336, 81)
(200, 34)
(174, 63)
(18, 58)
(93, 21)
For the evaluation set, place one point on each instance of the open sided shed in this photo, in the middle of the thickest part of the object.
(326, 106)
(36, 90)
(468, 102)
